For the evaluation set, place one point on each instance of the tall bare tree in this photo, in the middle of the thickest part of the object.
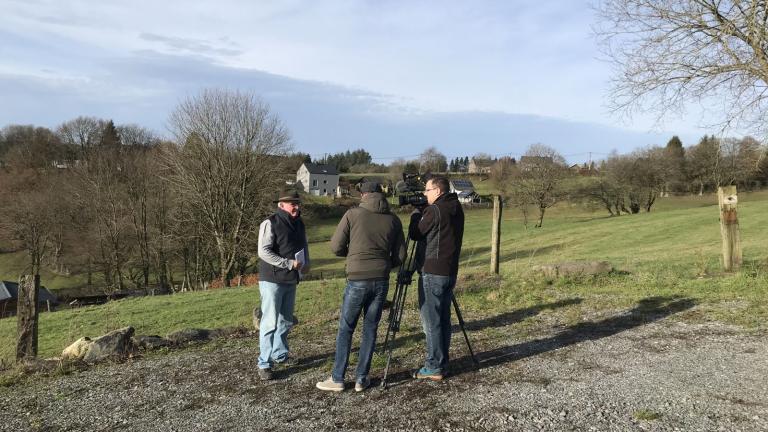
(540, 181)
(227, 165)
(671, 52)
(28, 220)
(432, 160)
(82, 133)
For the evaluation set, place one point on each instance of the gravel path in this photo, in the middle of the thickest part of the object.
(616, 374)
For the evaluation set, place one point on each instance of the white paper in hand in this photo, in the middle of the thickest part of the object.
(301, 260)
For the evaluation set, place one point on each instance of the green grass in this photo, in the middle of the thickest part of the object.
(164, 314)
(644, 414)
(672, 252)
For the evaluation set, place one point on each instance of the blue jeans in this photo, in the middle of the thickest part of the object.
(435, 295)
(277, 300)
(366, 296)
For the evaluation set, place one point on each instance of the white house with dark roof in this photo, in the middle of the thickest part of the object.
(465, 190)
(318, 179)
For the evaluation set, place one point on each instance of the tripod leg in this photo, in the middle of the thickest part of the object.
(392, 314)
(394, 327)
(461, 325)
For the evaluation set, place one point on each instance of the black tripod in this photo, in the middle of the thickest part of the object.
(404, 280)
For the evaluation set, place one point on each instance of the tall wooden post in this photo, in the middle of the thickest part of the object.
(27, 314)
(496, 234)
(729, 227)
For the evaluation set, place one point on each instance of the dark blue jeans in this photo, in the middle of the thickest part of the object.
(435, 295)
(366, 296)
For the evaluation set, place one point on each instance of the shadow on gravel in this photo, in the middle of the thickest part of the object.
(502, 320)
(512, 317)
(647, 311)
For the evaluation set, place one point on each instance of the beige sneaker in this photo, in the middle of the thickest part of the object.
(360, 386)
(330, 385)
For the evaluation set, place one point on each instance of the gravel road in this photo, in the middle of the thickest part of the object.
(626, 371)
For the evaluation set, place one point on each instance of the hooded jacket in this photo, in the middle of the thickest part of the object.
(371, 238)
(439, 228)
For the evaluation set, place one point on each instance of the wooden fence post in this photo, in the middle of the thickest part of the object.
(27, 314)
(729, 227)
(496, 234)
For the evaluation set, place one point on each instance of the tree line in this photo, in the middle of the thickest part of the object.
(630, 183)
(128, 209)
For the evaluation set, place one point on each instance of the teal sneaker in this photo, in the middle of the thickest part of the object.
(429, 374)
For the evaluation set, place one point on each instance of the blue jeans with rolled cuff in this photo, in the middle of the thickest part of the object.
(435, 299)
(277, 301)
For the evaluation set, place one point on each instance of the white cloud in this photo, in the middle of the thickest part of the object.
(526, 56)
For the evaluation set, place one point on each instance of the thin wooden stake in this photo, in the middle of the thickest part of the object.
(496, 234)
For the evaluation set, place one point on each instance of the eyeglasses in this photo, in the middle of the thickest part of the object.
(429, 190)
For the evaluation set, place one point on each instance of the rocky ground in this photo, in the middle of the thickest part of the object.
(633, 370)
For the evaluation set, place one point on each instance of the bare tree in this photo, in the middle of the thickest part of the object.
(31, 147)
(740, 161)
(82, 133)
(28, 220)
(227, 165)
(703, 161)
(669, 52)
(540, 182)
(133, 135)
(432, 160)
(100, 192)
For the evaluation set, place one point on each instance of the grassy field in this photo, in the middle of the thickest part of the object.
(672, 252)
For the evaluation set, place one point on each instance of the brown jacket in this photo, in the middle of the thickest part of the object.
(371, 238)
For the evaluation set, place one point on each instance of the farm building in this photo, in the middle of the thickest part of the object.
(9, 297)
(316, 179)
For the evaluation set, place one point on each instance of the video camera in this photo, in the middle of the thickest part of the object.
(410, 190)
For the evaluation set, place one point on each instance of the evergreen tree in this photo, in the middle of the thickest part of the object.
(110, 137)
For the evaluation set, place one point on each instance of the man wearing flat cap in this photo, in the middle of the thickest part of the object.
(283, 254)
(372, 240)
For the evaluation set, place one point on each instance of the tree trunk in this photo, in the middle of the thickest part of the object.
(541, 217)
(27, 310)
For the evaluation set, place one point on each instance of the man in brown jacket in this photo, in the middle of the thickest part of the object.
(372, 240)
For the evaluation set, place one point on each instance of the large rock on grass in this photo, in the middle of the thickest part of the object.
(116, 345)
(573, 269)
(77, 350)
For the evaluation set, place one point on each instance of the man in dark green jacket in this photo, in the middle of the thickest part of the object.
(372, 240)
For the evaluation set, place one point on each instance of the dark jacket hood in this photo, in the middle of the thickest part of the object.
(375, 202)
(450, 202)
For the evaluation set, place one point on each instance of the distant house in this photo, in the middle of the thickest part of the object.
(318, 179)
(585, 169)
(9, 297)
(479, 166)
(465, 190)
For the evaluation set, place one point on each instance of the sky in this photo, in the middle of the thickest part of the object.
(392, 77)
